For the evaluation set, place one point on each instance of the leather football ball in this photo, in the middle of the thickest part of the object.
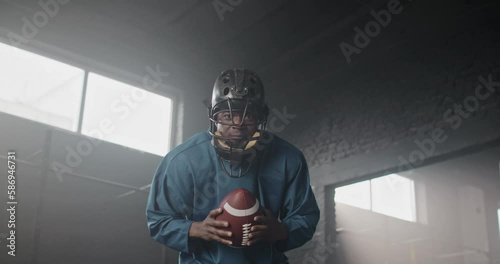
(239, 208)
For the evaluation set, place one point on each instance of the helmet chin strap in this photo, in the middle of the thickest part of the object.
(248, 145)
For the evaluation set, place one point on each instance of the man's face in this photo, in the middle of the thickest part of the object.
(236, 134)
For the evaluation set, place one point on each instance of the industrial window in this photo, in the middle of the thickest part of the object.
(356, 194)
(39, 89)
(391, 195)
(127, 115)
(50, 92)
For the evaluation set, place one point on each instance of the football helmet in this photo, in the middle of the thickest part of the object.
(237, 91)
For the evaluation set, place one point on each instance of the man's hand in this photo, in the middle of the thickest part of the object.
(269, 229)
(208, 229)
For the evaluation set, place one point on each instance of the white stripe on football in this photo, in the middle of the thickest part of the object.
(239, 212)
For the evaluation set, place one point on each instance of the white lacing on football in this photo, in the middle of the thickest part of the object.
(246, 232)
(242, 212)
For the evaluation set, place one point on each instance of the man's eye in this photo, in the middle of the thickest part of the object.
(250, 117)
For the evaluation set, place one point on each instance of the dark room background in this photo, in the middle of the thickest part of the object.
(365, 89)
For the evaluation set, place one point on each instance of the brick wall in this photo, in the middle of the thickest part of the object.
(361, 121)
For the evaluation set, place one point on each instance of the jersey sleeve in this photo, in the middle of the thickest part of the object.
(168, 208)
(300, 212)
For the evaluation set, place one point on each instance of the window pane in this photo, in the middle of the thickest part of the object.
(126, 115)
(394, 196)
(39, 88)
(357, 194)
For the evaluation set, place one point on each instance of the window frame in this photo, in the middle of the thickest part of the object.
(414, 198)
(112, 72)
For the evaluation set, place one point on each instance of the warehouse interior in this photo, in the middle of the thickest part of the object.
(394, 104)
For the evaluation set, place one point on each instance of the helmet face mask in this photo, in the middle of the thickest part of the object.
(237, 115)
(236, 128)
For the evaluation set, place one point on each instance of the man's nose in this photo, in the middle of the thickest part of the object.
(236, 119)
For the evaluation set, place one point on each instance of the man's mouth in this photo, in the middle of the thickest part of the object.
(237, 137)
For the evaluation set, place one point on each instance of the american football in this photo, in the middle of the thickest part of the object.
(239, 208)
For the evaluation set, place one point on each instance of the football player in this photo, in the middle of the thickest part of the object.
(235, 152)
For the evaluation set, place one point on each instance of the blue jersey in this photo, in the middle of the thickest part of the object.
(190, 181)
